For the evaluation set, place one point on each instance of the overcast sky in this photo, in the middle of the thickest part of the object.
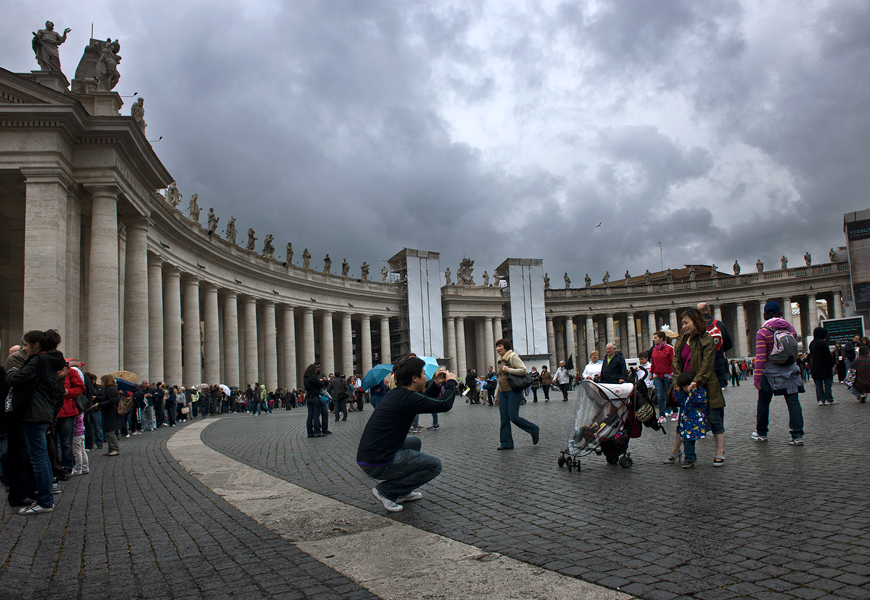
(723, 130)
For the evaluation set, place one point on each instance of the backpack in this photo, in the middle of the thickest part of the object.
(125, 402)
(785, 349)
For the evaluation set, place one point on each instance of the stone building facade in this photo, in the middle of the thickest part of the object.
(91, 247)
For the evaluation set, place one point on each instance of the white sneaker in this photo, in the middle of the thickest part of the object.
(388, 504)
(34, 509)
(409, 497)
(758, 438)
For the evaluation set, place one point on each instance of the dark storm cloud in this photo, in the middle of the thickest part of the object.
(324, 123)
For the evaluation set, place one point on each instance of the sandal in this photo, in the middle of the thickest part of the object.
(673, 458)
(719, 461)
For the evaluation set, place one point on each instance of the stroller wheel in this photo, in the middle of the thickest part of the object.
(570, 465)
(625, 462)
(561, 461)
(612, 460)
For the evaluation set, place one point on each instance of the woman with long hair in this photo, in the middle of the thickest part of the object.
(314, 383)
(695, 350)
(108, 406)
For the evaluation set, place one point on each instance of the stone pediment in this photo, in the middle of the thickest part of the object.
(23, 88)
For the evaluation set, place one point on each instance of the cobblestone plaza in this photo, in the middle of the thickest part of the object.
(778, 522)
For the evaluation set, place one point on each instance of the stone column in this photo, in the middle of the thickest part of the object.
(551, 343)
(569, 339)
(231, 339)
(327, 344)
(103, 294)
(190, 331)
(270, 354)
(740, 325)
(497, 329)
(211, 352)
(674, 323)
(172, 326)
(45, 263)
(346, 345)
(72, 332)
(590, 339)
(480, 360)
(761, 310)
(631, 332)
(838, 306)
(365, 329)
(386, 351)
(611, 332)
(488, 343)
(155, 320)
(651, 323)
(450, 329)
(289, 336)
(812, 315)
(717, 312)
(308, 352)
(252, 354)
(136, 316)
(460, 346)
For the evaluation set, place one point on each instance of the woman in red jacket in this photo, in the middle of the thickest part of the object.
(662, 369)
(74, 387)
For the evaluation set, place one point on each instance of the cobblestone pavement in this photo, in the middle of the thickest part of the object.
(139, 526)
(777, 522)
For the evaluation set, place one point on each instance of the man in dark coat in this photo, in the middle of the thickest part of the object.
(613, 368)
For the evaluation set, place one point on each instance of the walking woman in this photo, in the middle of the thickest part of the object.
(108, 406)
(509, 363)
(536, 382)
(546, 382)
(695, 351)
(822, 366)
(314, 384)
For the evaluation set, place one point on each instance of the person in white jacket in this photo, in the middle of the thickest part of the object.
(562, 377)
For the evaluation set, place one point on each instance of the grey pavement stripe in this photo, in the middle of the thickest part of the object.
(392, 560)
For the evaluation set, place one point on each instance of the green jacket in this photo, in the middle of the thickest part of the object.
(703, 358)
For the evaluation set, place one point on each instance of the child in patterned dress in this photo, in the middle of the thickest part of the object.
(693, 415)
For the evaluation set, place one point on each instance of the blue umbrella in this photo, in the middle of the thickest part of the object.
(124, 385)
(376, 375)
(431, 366)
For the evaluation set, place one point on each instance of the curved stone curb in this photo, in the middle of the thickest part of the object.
(390, 559)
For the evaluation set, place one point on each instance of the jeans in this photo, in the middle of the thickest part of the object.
(150, 423)
(689, 451)
(509, 411)
(434, 421)
(312, 424)
(158, 413)
(662, 385)
(409, 470)
(324, 417)
(64, 429)
(795, 414)
(564, 388)
(823, 390)
(535, 394)
(81, 457)
(34, 436)
(97, 421)
(171, 409)
(341, 409)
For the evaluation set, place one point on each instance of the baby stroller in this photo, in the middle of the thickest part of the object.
(601, 419)
(606, 417)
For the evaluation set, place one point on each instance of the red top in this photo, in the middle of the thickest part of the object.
(75, 387)
(663, 361)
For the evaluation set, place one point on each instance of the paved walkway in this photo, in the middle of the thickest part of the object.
(776, 522)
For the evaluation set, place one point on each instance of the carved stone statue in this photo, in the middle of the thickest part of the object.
(345, 268)
(692, 273)
(606, 279)
(808, 258)
(45, 46)
(713, 273)
(98, 67)
(137, 111)
(194, 208)
(384, 272)
(289, 258)
(567, 281)
(832, 255)
(447, 276)
(172, 195)
(759, 266)
(670, 276)
(647, 277)
(364, 271)
(486, 279)
(306, 259)
(588, 280)
(546, 281)
(327, 264)
(783, 262)
(213, 221)
(268, 248)
(627, 277)
(251, 239)
(464, 274)
(231, 230)
(736, 268)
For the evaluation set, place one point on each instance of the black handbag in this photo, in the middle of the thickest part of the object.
(519, 382)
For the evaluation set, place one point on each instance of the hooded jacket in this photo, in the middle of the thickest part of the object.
(763, 346)
(37, 379)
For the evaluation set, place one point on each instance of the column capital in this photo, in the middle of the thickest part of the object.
(137, 223)
(103, 190)
(48, 175)
(171, 270)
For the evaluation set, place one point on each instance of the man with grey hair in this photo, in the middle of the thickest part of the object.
(613, 367)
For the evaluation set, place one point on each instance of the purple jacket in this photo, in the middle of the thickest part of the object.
(764, 344)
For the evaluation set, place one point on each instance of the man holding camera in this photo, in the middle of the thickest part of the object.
(386, 452)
